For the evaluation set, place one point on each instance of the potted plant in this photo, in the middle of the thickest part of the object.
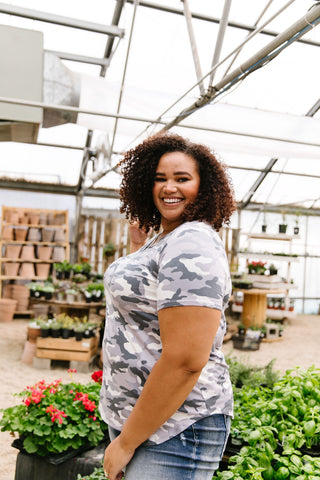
(296, 228)
(264, 223)
(62, 269)
(45, 327)
(95, 292)
(48, 291)
(283, 226)
(258, 268)
(71, 294)
(79, 329)
(55, 328)
(273, 269)
(67, 325)
(86, 269)
(48, 413)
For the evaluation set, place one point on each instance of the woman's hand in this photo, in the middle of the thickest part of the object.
(138, 236)
(115, 459)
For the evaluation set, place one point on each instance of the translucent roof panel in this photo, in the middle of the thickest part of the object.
(261, 113)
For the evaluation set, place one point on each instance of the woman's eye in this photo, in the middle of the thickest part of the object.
(159, 179)
(183, 179)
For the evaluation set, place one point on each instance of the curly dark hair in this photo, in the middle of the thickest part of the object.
(215, 200)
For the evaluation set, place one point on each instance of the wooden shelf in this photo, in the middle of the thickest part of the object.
(17, 217)
(30, 242)
(35, 225)
(272, 236)
(23, 260)
(269, 256)
(17, 277)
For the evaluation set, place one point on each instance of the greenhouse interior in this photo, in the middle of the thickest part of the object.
(82, 84)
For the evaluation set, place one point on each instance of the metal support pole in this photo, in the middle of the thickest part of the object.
(195, 55)
(222, 30)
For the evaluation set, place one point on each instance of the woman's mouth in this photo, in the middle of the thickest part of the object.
(172, 201)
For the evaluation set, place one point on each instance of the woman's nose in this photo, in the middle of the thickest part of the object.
(170, 186)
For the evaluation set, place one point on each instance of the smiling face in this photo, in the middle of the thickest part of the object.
(176, 185)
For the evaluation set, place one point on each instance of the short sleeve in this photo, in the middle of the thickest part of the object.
(193, 270)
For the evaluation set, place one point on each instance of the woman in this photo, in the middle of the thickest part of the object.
(166, 393)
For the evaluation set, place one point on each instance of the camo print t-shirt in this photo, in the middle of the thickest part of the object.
(186, 267)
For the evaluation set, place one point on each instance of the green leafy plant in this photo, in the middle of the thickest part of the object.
(97, 474)
(55, 417)
(109, 250)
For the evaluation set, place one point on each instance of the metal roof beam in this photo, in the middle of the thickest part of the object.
(103, 62)
(268, 169)
(59, 20)
(208, 18)
(57, 189)
(259, 59)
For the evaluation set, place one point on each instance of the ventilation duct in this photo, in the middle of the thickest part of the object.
(21, 67)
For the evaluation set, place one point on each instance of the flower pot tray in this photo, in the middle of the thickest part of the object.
(66, 349)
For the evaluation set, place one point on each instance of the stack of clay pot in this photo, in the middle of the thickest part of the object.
(7, 309)
(27, 268)
(20, 293)
(12, 252)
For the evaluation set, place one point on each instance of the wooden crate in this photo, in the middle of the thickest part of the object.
(66, 349)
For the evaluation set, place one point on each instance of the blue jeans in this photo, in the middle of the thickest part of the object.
(193, 454)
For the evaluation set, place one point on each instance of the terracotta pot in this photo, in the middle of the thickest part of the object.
(33, 218)
(33, 333)
(47, 234)
(59, 235)
(58, 254)
(42, 270)
(7, 309)
(11, 269)
(7, 233)
(29, 353)
(43, 218)
(24, 218)
(12, 216)
(44, 253)
(13, 251)
(20, 234)
(27, 270)
(51, 220)
(34, 234)
(27, 252)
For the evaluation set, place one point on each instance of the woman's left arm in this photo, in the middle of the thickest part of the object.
(187, 334)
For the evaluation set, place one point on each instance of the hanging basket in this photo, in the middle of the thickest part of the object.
(7, 309)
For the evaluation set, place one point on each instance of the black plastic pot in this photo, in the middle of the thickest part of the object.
(65, 333)
(45, 332)
(79, 336)
(282, 228)
(56, 333)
